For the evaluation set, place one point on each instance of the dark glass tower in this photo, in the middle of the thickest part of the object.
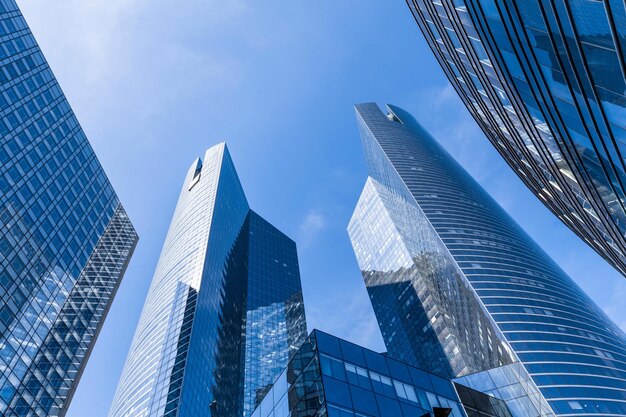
(224, 313)
(65, 239)
(459, 288)
(545, 80)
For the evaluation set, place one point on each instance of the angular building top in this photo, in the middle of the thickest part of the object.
(459, 288)
(65, 239)
(546, 83)
(224, 312)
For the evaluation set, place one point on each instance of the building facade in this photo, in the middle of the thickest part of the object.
(225, 310)
(331, 377)
(65, 239)
(449, 271)
(546, 83)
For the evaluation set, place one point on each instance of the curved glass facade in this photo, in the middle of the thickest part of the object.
(226, 280)
(65, 239)
(573, 352)
(546, 83)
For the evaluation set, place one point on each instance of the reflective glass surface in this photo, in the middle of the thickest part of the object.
(510, 384)
(65, 239)
(574, 353)
(224, 312)
(331, 377)
(546, 82)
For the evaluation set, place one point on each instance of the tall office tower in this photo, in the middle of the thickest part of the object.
(224, 313)
(545, 80)
(65, 239)
(459, 288)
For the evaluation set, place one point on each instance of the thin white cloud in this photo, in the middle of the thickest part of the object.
(312, 224)
(97, 49)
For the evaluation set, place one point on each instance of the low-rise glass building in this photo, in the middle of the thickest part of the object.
(331, 377)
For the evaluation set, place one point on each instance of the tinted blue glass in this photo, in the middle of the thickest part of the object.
(225, 310)
(376, 362)
(328, 344)
(364, 401)
(398, 370)
(352, 353)
(312, 387)
(388, 407)
(337, 392)
(65, 239)
(545, 81)
(441, 220)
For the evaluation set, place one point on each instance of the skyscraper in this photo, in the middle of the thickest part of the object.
(225, 310)
(546, 83)
(459, 288)
(65, 239)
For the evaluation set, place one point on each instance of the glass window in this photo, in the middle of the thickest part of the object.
(398, 370)
(443, 387)
(328, 344)
(411, 410)
(337, 392)
(389, 407)
(352, 353)
(339, 412)
(410, 393)
(400, 389)
(375, 362)
(332, 367)
(421, 379)
(364, 401)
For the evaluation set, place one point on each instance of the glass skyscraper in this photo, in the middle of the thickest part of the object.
(545, 80)
(65, 239)
(459, 289)
(225, 311)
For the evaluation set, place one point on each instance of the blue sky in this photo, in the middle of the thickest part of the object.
(154, 83)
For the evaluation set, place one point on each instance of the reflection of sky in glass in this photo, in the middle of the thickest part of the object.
(330, 376)
(65, 239)
(563, 92)
(404, 263)
(572, 351)
(227, 282)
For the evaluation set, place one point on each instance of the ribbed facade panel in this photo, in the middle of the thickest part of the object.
(546, 82)
(574, 353)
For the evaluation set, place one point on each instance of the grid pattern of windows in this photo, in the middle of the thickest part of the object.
(422, 321)
(330, 377)
(224, 313)
(275, 320)
(572, 350)
(65, 239)
(546, 81)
